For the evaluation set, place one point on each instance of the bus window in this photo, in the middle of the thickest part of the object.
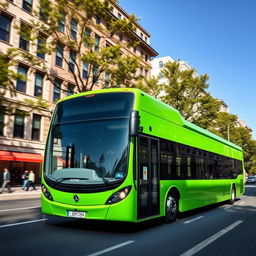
(189, 167)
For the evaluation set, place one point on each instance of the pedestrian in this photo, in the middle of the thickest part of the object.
(31, 180)
(6, 181)
(25, 179)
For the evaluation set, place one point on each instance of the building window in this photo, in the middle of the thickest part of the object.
(39, 79)
(106, 79)
(141, 71)
(121, 37)
(41, 41)
(56, 90)
(146, 73)
(119, 16)
(141, 36)
(134, 49)
(21, 81)
(1, 125)
(146, 57)
(146, 39)
(59, 55)
(72, 61)
(161, 75)
(95, 75)
(161, 64)
(25, 32)
(70, 89)
(97, 43)
(73, 29)
(18, 130)
(85, 70)
(36, 125)
(98, 20)
(43, 14)
(61, 22)
(5, 27)
(27, 5)
(87, 34)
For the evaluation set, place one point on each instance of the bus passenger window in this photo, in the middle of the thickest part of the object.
(178, 166)
(189, 167)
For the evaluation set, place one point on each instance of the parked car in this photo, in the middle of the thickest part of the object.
(251, 179)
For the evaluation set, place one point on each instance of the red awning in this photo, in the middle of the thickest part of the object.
(22, 157)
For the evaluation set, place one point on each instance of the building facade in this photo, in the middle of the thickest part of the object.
(22, 138)
(158, 64)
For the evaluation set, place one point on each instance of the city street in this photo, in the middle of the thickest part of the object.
(217, 230)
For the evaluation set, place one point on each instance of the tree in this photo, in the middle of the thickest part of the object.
(150, 86)
(186, 91)
(78, 49)
(225, 124)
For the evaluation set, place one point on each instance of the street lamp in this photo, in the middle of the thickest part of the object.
(228, 125)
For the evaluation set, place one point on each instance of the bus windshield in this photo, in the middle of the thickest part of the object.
(83, 150)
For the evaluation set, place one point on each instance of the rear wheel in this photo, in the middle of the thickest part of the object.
(171, 208)
(233, 195)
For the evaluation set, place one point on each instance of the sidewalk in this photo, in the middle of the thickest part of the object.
(19, 193)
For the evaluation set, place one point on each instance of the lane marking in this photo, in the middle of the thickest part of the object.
(111, 248)
(22, 223)
(18, 209)
(242, 202)
(211, 239)
(198, 218)
(227, 207)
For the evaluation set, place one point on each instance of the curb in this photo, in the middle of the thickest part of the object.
(20, 194)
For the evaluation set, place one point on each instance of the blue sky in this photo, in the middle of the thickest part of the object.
(217, 37)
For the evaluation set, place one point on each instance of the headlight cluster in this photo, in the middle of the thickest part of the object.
(46, 192)
(119, 195)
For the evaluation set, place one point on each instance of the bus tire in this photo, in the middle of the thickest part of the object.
(232, 195)
(171, 207)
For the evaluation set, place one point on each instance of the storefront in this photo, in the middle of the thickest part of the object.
(18, 162)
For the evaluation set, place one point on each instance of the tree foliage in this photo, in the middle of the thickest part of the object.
(150, 86)
(79, 19)
(225, 124)
(186, 91)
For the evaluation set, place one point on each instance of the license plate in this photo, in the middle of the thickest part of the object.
(76, 214)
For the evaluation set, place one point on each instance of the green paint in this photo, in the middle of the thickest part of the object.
(165, 123)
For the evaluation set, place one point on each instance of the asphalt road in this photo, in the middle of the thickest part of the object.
(217, 230)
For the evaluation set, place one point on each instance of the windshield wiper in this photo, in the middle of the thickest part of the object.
(105, 180)
(71, 178)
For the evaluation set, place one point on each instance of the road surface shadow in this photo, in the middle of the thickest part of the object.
(121, 227)
(104, 226)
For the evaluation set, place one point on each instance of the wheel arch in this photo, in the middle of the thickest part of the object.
(175, 191)
(233, 185)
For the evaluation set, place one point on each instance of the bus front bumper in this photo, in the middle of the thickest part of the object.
(122, 211)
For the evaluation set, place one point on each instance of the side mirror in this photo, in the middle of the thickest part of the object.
(134, 123)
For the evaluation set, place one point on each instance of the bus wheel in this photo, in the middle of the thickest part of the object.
(171, 208)
(233, 195)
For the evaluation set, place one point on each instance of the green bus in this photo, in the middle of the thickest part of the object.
(121, 155)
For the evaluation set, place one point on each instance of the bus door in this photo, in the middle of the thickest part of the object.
(148, 178)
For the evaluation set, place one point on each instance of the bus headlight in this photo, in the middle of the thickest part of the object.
(46, 192)
(119, 195)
